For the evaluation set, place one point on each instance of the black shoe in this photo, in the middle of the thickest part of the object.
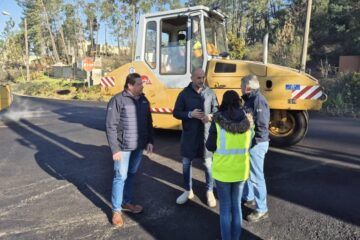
(249, 204)
(257, 216)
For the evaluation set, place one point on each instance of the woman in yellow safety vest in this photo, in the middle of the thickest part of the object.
(229, 139)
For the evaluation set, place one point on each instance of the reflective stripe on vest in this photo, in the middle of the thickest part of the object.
(231, 160)
(223, 150)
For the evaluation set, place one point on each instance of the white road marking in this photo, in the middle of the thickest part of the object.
(6, 210)
(53, 225)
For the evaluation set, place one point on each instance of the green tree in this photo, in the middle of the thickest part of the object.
(32, 11)
(121, 16)
(236, 46)
(70, 28)
(287, 47)
(335, 29)
(41, 17)
(11, 48)
(92, 26)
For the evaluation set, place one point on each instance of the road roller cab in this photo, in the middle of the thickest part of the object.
(171, 44)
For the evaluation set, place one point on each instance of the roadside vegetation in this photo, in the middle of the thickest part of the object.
(343, 93)
(343, 99)
(44, 86)
(66, 32)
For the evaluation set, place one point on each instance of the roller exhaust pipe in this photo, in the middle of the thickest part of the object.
(265, 48)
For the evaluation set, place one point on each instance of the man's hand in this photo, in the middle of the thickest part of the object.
(250, 118)
(117, 156)
(207, 118)
(149, 148)
(197, 113)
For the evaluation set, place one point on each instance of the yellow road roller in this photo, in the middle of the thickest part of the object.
(170, 44)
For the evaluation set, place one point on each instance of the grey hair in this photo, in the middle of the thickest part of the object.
(251, 81)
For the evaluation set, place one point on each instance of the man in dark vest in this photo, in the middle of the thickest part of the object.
(129, 131)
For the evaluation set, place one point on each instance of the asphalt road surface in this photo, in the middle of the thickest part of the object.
(56, 174)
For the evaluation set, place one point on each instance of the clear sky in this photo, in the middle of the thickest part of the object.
(15, 12)
(13, 9)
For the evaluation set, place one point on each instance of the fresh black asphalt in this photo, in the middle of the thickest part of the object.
(56, 173)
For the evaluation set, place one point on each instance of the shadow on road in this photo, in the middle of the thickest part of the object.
(326, 188)
(331, 189)
(89, 168)
(84, 115)
(326, 153)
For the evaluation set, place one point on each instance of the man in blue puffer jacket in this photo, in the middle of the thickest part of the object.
(255, 188)
(129, 131)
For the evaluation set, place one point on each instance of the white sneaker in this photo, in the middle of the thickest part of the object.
(185, 196)
(211, 201)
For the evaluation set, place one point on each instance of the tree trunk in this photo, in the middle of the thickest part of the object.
(118, 43)
(95, 43)
(106, 53)
(254, 30)
(91, 36)
(42, 43)
(79, 41)
(65, 47)
(234, 17)
(240, 16)
(21, 72)
(27, 52)
(56, 55)
(133, 35)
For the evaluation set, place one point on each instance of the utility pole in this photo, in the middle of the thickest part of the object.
(105, 41)
(306, 36)
(134, 33)
(27, 52)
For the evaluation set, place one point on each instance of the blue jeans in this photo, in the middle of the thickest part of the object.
(124, 172)
(230, 209)
(255, 187)
(187, 174)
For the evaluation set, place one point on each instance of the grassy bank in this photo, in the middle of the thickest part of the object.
(44, 86)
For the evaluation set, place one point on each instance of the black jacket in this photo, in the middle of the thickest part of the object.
(256, 104)
(193, 134)
(128, 122)
(238, 123)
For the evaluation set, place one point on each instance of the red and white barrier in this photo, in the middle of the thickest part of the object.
(307, 92)
(107, 81)
(161, 110)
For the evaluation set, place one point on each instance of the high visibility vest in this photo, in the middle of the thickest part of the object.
(197, 49)
(211, 49)
(231, 160)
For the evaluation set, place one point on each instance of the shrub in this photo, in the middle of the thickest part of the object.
(236, 46)
(254, 52)
(343, 95)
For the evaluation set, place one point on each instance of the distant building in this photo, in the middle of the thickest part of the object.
(349, 64)
(103, 49)
(60, 70)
